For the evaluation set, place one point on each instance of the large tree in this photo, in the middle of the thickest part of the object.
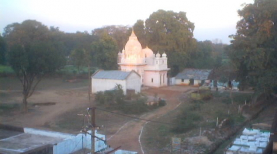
(105, 52)
(253, 50)
(170, 32)
(78, 57)
(167, 31)
(33, 52)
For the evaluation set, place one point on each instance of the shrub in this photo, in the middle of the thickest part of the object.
(201, 95)
(195, 107)
(134, 107)
(186, 121)
(162, 102)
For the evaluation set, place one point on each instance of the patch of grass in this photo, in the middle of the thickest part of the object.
(186, 121)
(73, 70)
(237, 119)
(239, 98)
(193, 114)
(7, 108)
(71, 121)
(6, 70)
(242, 97)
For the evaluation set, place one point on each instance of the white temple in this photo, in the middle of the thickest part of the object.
(151, 67)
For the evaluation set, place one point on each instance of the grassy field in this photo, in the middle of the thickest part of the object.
(67, 70)
(188, 119)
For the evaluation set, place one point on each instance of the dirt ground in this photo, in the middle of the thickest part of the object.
(55, 98)
(65, 97)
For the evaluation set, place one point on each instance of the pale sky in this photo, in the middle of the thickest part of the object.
(213, 19)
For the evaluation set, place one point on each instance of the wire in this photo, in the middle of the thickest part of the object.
(136, 117)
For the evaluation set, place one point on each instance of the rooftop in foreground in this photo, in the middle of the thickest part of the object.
(252, 141)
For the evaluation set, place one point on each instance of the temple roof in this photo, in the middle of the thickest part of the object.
(111, 74)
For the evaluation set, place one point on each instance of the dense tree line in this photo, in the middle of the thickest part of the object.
(163, 31)
(253, 50)
(34, 50)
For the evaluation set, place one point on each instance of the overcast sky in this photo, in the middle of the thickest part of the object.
(213, 19)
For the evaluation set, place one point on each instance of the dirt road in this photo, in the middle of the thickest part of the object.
(128, 137)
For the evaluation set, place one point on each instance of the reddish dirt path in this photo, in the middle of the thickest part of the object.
(128, 136)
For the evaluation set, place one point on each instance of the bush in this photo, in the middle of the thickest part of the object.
(186, 121)
(162, 102)
(115, 99)
(135, 107)
(195, 107)
(201, 95)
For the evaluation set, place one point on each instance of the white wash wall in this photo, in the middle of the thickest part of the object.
(159, 78)
(134, 82)
(106, 84)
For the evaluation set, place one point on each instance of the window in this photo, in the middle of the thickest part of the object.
(183, 80)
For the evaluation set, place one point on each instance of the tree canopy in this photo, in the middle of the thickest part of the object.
(105, 52)
(33, 51)
(167, 31)
(253, 50)
(119, 33)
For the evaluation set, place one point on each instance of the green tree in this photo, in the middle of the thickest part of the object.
(33, 52)
(253, 50)
(105, 52)
(119, 33)
(78, 57)
(2, 51)
(139, 29)
(202, 57)
(170, 32)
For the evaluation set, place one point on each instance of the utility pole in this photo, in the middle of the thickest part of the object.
(93, 130)
(87, 54)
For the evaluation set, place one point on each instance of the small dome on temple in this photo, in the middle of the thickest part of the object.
(148, 52)
(158, 55)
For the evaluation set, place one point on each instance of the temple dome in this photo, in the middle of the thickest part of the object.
(133, 47)
(148, 52)
(158, 55)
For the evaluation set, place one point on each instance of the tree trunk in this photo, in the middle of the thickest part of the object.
(89, 87)
(25, 108)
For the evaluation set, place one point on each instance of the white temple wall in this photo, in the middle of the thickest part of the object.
(134, 82)
(155, 78)
(106, 84)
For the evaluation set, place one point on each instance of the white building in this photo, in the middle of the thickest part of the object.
(194, 77)
(107, 80)
(151, 67)
(29, 140)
